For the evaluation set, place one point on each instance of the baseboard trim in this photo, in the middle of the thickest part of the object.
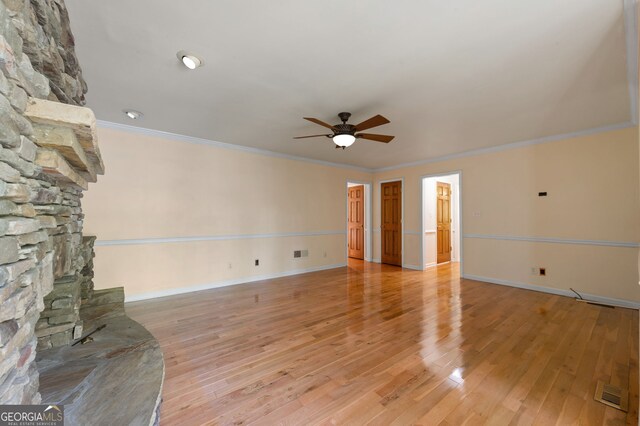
(226, 283)
(430, 265)
(557, 291)
(414, 267)
(376, 260)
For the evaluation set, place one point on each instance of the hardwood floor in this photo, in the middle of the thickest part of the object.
(377, 344)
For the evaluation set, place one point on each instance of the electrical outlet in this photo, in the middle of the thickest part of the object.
(534, 271)
(297, 254)
(543, 272)
(325, 254)
(257, 262)
(230, 266)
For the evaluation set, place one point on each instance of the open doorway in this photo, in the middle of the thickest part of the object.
(358, 220)
(441, 219)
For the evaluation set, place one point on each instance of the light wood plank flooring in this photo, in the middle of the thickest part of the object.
(380, 345)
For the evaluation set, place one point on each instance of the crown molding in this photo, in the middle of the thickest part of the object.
(471, 153)
(200, 141)
(508, 146)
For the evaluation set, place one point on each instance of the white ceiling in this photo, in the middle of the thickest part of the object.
(452, 76)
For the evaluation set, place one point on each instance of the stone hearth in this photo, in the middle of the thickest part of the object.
(116, 379)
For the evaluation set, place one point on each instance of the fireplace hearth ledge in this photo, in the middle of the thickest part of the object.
(116, 379)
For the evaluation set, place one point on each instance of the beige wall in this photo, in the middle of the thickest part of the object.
(593, 194)
(156, 188)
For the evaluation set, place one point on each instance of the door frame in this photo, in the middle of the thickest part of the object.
(460, 211)
(378, 229)
(368, 237)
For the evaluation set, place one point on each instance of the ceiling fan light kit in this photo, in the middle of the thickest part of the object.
(345, 135)
(344, 140)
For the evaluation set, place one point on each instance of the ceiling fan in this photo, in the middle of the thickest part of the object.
(344, 134)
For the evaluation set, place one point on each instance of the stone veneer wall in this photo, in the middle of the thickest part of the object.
(39, 34)
(40, 214)
(60, 321)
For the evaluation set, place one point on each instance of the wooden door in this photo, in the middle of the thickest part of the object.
(356, 222)
(391, 218)
(443, 206)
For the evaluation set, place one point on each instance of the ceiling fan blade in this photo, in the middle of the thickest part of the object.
(312, 136)
(322, 123)
(376, 121)
(377, 138)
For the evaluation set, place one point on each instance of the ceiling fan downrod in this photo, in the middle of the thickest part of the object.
(344, 117)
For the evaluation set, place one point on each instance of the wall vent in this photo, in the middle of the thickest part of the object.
(612, 396)
(300, 253)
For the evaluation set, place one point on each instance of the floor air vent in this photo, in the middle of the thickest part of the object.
(612, 396)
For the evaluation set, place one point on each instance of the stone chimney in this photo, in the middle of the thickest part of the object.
(48, 154)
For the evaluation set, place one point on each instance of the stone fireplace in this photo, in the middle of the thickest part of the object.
(48, 155)
(68, 153)
(40, 213)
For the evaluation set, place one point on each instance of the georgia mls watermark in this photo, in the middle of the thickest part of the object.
(32, 415)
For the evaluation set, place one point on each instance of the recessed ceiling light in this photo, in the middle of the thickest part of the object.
(132, 114)
(189, 60)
